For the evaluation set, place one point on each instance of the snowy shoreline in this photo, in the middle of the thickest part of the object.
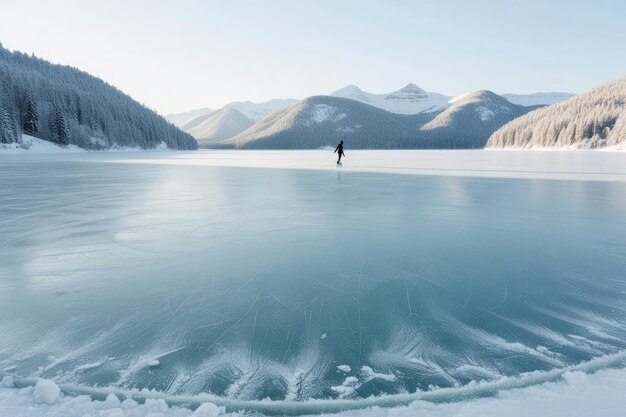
(576, 394)
(33, 145)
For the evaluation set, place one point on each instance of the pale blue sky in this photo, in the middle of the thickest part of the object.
(180, 55)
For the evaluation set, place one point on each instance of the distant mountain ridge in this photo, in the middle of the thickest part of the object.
(211, 128)
(410, 99)
(324, 120)
(320, 121)
(181, 119)
(537, 99)
(64, 105)
(593, 119)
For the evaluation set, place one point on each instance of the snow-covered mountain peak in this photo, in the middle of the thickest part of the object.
(350, 88)
(410, 89)
(410, 99)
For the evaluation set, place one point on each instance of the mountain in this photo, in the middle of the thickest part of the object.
(593, 119)
(181, 119)
(214, 127)
(469, 120)
(210, 127)
(536, 99)
(257, 111)
(320, 121)
(408, 100)
(64, 105)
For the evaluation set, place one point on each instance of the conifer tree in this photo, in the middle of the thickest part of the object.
(30, 119)
(58, 126)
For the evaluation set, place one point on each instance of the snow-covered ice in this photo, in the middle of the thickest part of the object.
(213, 276)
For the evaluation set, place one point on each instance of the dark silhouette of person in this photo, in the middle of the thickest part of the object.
(339, 151)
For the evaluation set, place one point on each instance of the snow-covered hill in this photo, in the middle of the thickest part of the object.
(469, 120)
(212, 128)
(257, 111)
(408, 100)
(593, 119)
(181, 119)
(67, 106)
(323, 121)
(536, 99)
(466, 123)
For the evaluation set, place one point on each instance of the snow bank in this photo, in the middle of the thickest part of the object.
(577, 394)
(31, 144)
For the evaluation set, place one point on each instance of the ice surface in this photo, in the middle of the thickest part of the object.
(588, 165)
(195, 273)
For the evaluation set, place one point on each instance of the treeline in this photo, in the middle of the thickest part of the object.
(64, 105)
(593, 119)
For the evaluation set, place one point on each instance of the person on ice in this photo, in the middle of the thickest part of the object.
(339, 151)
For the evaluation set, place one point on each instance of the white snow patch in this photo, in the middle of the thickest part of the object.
(321, 113)
(324, 336)
(484, 113)
(344, 368)
(112, 401)
(208, 410)
(46, 392)
(370, 374)
(31, 144)
(347, 388)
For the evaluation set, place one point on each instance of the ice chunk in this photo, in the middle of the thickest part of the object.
(47, 392)
(112, 401)
(208, 410)
(344, 368)
(371, 374)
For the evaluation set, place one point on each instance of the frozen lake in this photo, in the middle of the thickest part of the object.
(275, 275)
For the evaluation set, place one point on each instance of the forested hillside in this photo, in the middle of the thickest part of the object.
(590, 120)
(64, 105)
(468, 121)
(320, 121)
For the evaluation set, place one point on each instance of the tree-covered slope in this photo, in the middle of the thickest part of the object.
(593, 119)
(469, 120)
(320, 121)
(64, 105)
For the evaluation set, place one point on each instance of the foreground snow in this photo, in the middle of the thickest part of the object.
(576, 395)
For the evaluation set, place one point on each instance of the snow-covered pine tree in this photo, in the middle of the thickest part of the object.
(58, 126)
(7, 134)
(30, 118)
